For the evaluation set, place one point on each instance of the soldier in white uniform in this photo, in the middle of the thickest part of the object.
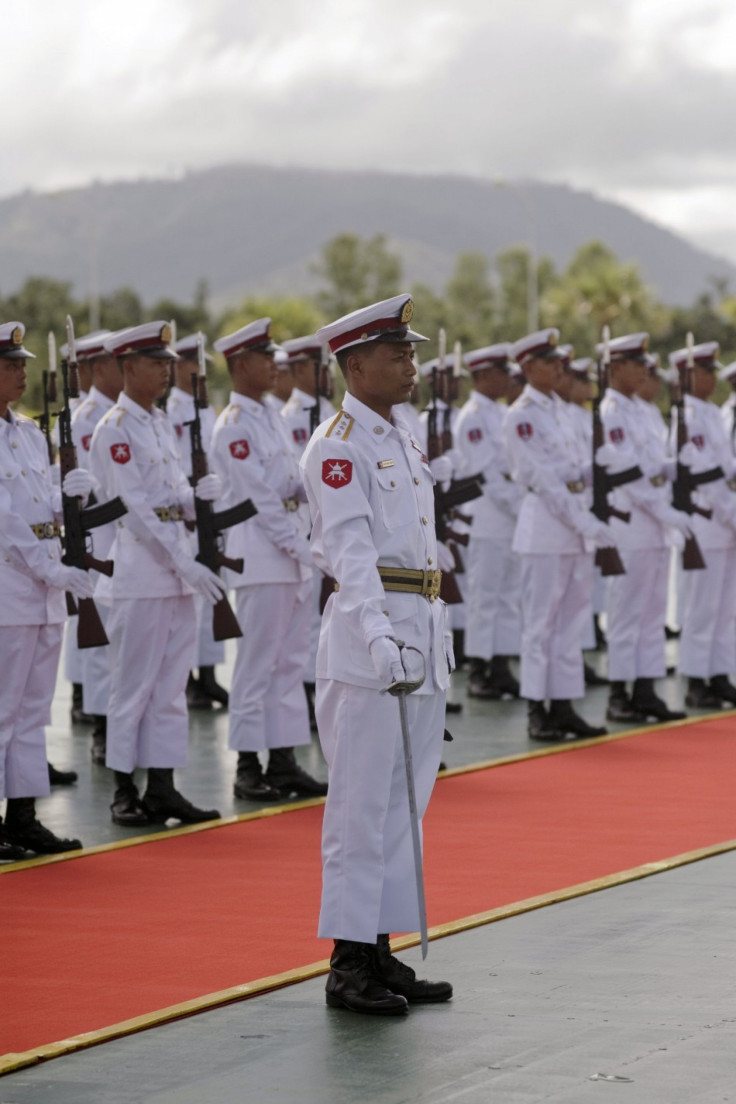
(371, 498)
(106, 384)
(252, 452)
(555, 536)
(637, 600)
(707, 652)
(282, 382)
(33, 609)
(151, 624)
(728, 408)
(203, 690)
(302, 413)
(493, 630)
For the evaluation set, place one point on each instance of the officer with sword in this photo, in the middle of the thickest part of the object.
(370, 494)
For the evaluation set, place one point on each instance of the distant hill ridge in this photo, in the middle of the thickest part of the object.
(248, 229)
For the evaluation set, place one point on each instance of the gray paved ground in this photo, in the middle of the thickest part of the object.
(635, 982)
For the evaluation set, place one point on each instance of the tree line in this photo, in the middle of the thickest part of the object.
(481, 303)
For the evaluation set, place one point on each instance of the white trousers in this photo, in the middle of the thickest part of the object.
(368, 881)
(555, 600)
(96, 671)
(637, 611)
(492, 599)
(152, 650)
(268, 706)
(708, 640)
(72, 653)
(29, 655)
(210, 652)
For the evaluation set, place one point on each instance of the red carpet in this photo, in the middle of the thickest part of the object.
(111, 936)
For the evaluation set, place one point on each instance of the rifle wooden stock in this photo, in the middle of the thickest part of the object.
(692, 557)
(457, 538)
(209, 525)
(609, 561)
(90, 630)
(449, 590)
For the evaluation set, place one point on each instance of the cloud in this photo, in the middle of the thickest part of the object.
(633, 99)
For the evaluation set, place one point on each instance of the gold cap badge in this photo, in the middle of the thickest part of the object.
(17, 336)
(165, 334)
(407, 312)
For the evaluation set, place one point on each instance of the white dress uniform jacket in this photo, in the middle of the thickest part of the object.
(371, 498)
(27, 497)
(296, 413)
(134, 454)
(252, 453)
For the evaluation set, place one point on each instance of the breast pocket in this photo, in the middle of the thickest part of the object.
(396, 502)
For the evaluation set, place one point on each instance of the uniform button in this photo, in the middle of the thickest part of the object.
(385, 613)
(35, 498)
(15, 444)
(392, 483)
(165, 460)
(378, 430)
(8, 475)
(429, 560)
(416, 479)
(425, 521)
(24, 472)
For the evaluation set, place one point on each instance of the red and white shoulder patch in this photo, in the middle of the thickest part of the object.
(525, 430)
(617, 434)
(240, 450)
(475, 435)
(120, 452)
(337, 473)
(86, 441)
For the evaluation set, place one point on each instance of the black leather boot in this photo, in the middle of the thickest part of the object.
(479, 685)
(458, 647)
(539, 725)
(401, 979)
(163, 802)
(565, 719)
(196, 697)
(722, 689)
(24, 830)
(620, 707)
(61, 778)
(645, 701)
(127, 808)
(211, 688)
(592, 678)
(700, 696)
(309, 691)
(77, 712)
(352, 983)
(501, 679)
(285, 775)
(250, 781)
(9, 851)
(99, 740)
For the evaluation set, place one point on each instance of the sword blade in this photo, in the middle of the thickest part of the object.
(413, 820)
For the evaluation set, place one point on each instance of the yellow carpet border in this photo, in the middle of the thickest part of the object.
(295, 806)
(11, 1062)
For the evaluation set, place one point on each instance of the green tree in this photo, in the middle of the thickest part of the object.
(512, 267)
(471, 302)
(356, 272)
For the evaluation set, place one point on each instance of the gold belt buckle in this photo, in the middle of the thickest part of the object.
(290, 504)
(431, 584)
(576, 486)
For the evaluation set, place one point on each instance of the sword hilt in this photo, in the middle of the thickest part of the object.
(407, 685)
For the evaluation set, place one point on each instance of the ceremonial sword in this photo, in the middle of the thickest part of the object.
(399, 690)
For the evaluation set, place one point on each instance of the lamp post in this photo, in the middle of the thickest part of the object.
(530, 212)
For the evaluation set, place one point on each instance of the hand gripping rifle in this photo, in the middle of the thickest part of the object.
(685, 480)
(78, 522)
(607, 559)
(210, 524)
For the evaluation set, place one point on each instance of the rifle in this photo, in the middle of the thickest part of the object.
(607, 559)
(321, 387)
(211, 524)
(447, 388)
(78, 521)
(434, 441)
(48, 396)
(685, 481)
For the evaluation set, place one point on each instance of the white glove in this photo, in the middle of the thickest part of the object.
(77, 582)
(676, 520)
(445, 558)
(209, 487)
(688, 455)
(606, 455)
(456, 458)
(676, 539)
(204, 581)
(387, 661)
(441, 469)
(591, 529)
(78, 483)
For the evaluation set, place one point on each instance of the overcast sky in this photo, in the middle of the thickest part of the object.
(632, 99)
